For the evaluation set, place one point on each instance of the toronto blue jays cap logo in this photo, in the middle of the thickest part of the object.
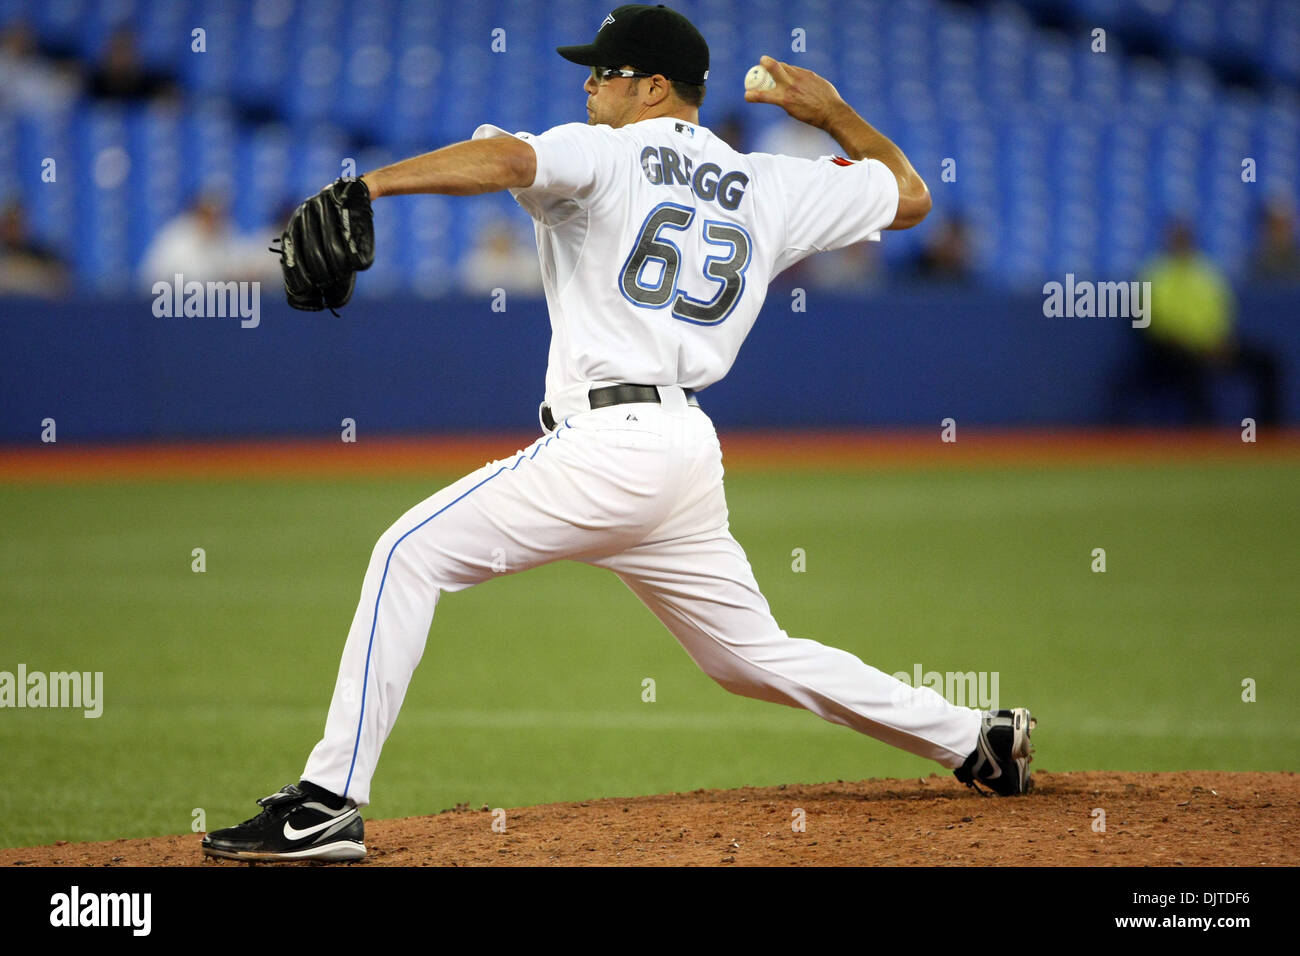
(652, 39)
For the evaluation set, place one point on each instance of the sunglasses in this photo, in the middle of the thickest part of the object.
(602, 73)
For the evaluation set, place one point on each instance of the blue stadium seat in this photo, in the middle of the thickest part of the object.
(163, 33)
(154, 135)
(51, 206)
(1282, 41)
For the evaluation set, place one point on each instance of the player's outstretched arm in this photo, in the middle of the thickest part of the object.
(812, 99)
(461, 169)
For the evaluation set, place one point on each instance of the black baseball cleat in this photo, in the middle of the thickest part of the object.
(301, 822)
(1001, 756)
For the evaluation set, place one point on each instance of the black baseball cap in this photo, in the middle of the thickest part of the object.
(652, 39)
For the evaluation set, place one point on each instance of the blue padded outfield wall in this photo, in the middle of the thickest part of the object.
(108, 370)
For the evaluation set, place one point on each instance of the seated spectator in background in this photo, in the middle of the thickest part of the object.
(251, 252)
(202, 245)
(26, 267)
(31, 84)
(946, 255)
(1277, 257)
(1190, 337)
(500, 261)
(122, 75)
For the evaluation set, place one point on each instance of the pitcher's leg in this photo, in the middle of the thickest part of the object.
(508, 516)
(704, 591)
(387, 637)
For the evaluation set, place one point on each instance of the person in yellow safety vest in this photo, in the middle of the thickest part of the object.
(1190, 336)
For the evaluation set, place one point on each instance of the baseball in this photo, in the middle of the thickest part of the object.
(759, 79)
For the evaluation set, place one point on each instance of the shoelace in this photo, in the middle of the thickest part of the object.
(273, 804)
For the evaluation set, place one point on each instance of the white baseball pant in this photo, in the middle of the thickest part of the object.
(637, 489)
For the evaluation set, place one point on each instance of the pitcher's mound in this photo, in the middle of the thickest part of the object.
(1196, 818)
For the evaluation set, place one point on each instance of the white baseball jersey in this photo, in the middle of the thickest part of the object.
(658, 241)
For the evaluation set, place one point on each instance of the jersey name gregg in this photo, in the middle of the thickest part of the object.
(664, 167)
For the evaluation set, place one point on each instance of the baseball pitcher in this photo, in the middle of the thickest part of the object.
(657, 242)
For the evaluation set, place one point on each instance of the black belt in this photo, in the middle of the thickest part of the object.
(619, 395)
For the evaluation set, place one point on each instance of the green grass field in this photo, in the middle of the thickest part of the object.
(216, 684)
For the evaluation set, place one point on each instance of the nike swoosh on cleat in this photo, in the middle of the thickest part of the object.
(291, 834)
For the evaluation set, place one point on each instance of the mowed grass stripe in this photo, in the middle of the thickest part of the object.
(217, 684)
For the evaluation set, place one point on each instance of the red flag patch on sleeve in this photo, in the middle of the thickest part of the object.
(841, 161)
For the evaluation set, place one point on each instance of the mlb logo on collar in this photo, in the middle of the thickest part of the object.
(685, 128)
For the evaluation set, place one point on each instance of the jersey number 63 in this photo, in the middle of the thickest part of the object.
(727, 268)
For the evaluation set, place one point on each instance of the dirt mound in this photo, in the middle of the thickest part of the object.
(1199, 818)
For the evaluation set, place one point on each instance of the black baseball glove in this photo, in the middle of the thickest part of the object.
(329, 239)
